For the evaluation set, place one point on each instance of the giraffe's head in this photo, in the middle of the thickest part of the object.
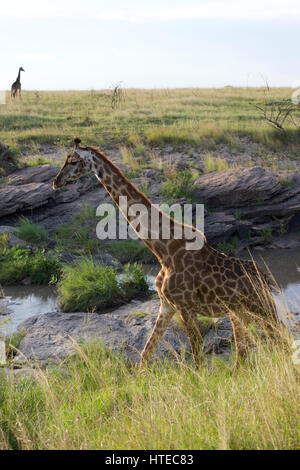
(77, 164)
(21, 69)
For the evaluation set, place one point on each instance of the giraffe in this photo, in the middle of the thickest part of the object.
(16, 86)
(191, 282)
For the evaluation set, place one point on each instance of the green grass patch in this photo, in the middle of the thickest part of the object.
(89, 286)
(30, 232)
(228, 247)
(75, 236)
(267, 235)
(212, 163)
(130, 251)
(13, 341)
(3, 242)
(19, 262)
(178, 184)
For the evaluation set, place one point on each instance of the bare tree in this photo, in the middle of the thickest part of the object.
(277, 113)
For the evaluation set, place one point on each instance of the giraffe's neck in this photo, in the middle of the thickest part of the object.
(117, 185)
(19, 76)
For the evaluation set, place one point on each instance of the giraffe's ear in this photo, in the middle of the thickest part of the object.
(76, 142)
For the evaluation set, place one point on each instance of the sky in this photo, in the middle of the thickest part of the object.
(94, 44)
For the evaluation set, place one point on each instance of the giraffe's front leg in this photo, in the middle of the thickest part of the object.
(164, 317)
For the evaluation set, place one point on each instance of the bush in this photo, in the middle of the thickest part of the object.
(133, 282)
(177, 185)
(75, 236)
(88, 286)
(19, 262)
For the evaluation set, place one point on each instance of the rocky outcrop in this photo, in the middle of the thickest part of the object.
(236, 188)
(244, 203)
(54, 335)
(31, 188)
(248, 202)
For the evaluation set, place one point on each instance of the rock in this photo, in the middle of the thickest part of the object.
(294, 223)
(27, 281)
(180, 165)
(33, 174)
(53, 336)
(219, 232)
(22, 375)
(149, 173)
(8, 163)
(106, 259)
(51, 244)
(2, 353)
(287, 241)
(218, 339)
(26, 197)
(236, 188)
(219, 226)
(31, 188)
(12, 240)
(5, 309)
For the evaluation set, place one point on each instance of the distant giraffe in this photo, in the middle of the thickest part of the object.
(16, 86)
(191, 282)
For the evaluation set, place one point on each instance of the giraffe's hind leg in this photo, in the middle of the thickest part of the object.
(241, 336)
(164, 317)
(191, 324)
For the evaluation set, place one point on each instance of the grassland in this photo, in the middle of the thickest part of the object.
(202, 117)
(95, 400)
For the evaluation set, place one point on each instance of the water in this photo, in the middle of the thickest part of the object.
(22, 302)
(284, 265)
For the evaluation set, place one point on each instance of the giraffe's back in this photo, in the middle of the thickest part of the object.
(214, 283)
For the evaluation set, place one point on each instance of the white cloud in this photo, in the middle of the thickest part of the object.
(139, 10)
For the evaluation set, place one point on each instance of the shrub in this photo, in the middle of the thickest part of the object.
(178, 184)
(76, 234)
(13, 341)
(19, 262)
(133, 282)
(30, 232)
(267, 236)
(90, 286)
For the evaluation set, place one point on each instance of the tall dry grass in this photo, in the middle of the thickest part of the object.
(96, 400)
